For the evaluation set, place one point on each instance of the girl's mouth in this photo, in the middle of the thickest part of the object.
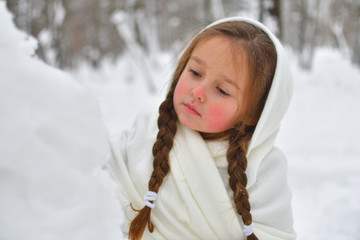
(191, 110)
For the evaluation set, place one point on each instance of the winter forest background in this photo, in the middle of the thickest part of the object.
(73, 32)
(124, 52)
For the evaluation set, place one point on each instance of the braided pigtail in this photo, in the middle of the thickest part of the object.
(236, 156)
(163, 144)
(261, 56)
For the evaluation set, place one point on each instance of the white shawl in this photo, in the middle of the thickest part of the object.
(194, 201)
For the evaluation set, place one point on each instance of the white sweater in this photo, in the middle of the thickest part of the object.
(194, 201)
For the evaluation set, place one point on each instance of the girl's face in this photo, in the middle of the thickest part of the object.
(210, 92)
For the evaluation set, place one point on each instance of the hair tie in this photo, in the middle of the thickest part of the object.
(150, 196)
(248, 229)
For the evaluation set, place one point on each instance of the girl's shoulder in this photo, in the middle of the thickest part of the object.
(273, 167)
(142, 132)
(266, 163)
(144, 124)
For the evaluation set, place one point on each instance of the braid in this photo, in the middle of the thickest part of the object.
(162, 146)
(236, 156)
(261, 54)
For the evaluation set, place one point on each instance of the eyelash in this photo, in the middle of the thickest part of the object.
(222, 91)
(198, 75)
(195, 73)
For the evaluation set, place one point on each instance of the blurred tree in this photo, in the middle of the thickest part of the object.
(271, 9)
(91, 31)
(69, 32)
(346, 26)
(275, 11)
(314, 23)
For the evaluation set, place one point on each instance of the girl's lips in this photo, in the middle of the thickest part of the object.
(191, 110)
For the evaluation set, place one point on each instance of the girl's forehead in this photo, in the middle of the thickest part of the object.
(212, 43)
(212, 52)
(220, 47)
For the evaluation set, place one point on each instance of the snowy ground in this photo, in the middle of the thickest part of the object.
(320, 136)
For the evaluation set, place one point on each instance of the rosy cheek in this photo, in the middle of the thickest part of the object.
(180, 88)
(217, 118)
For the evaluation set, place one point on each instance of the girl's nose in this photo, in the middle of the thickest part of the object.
(199, 93)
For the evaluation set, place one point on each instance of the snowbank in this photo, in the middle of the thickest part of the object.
(52, 146)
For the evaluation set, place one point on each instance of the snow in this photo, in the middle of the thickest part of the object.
(321, 138)
(53, 142)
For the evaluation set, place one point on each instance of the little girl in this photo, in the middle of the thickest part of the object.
(205, 166)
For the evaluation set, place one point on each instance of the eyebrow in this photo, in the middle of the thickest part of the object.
(198, 60)
(231, 83)
(201, 62)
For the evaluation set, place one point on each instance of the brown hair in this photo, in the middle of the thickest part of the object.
(261, 55)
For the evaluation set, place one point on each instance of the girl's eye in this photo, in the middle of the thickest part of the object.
(195, 73)
(222, 91)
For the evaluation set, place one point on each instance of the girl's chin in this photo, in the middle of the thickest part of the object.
(189, 124)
